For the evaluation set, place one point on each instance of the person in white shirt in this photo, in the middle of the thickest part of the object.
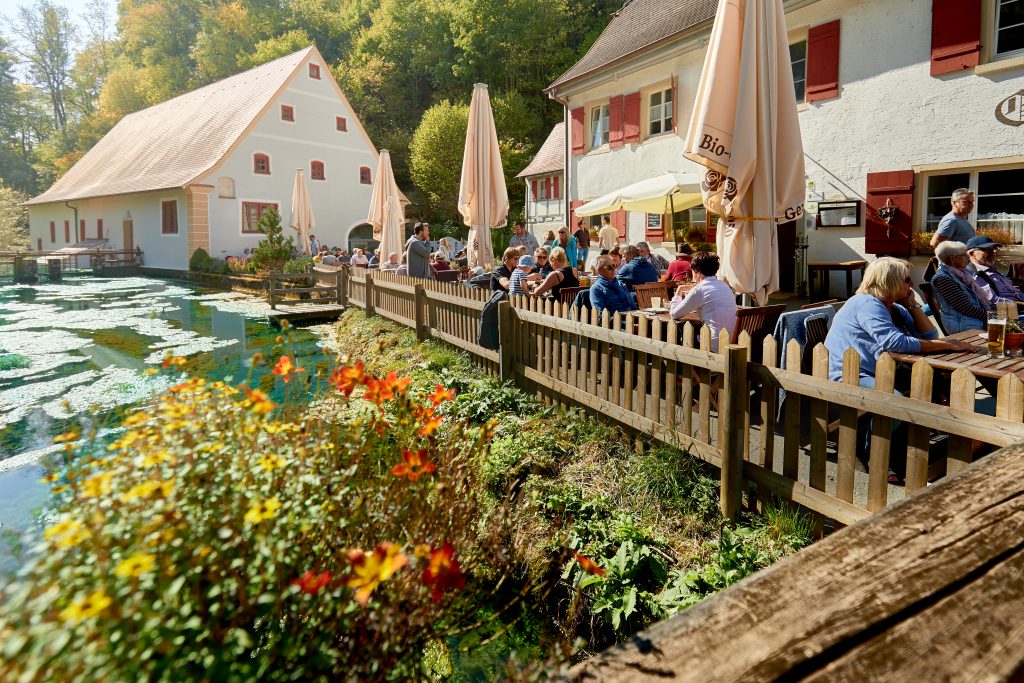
(711, 299)
(359, 258)
(392, 263)
(608, 236)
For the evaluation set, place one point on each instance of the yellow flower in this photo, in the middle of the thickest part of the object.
(59, 489)
(370, 569)
(156, 457)
(88, 607)
(261, 511)
(147, 489)
(67, 436)
(125, 442)
(50, 478)
(97, 485)
(203, 550)
(135, 566)
(62, 527)
(270, 462)
(137, 418)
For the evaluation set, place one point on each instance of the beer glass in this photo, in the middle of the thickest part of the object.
(996, 333)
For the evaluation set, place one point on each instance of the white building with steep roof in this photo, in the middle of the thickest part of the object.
(198, 170)
(545, 183)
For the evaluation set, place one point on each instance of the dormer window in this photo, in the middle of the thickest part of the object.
(316, 170)
(364, 175)
(314, 71)
(287, 112)
(261, 164)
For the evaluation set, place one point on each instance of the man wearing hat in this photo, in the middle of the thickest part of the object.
(680, 269)
(982, 251)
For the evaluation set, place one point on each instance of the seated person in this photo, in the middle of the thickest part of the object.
(343, 257)
(501, 275)
(392, 263)
(403, 269)
(982, 251)
(883, 316)
(607, 293)
(562, 275)
(712, 300)
(328, 259)
(517, 283)
(540, 256)
(636, 270)
(616, 254)
(359, 258)
(374, 260)
(657, 260)
(438, 261)
(680, 268)
(964, 303)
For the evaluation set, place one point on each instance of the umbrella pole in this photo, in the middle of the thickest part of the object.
(672, 220)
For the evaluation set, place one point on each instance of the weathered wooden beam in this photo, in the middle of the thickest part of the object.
(931, 588)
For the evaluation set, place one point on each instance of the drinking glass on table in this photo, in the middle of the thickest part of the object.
(996, 333)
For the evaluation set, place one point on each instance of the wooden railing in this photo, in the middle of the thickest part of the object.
(329, 287)
(662, 379)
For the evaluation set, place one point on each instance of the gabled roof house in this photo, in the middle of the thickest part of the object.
(198, 170)
(901, 100)
(544, 178)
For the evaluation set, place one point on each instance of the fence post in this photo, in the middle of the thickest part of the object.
(369, 294)
(343, 286)
(421, 313)
(506, 367)
(270, 287)
(732, 406)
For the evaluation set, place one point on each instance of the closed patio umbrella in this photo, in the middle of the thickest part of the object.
(302, 220)
(386, 213)
(483, 197)
(745, 130)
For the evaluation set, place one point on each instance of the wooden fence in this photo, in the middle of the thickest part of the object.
(664, 380)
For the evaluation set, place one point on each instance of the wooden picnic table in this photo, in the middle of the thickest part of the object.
(978, 362)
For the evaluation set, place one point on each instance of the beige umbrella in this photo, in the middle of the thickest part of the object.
(302, 220)
(483, 198)
(386, 213)
(745, 130)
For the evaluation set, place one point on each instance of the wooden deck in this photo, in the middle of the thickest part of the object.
(302, 312)
(929, 589)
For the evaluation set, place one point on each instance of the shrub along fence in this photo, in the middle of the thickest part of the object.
(661, 378)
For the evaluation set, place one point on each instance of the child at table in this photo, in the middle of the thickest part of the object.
(519, 275)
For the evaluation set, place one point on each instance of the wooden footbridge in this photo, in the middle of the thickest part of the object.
(307, 296)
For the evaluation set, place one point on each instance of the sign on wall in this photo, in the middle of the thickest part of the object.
(1010, 112)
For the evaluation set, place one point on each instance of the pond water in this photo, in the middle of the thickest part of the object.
(80, 350)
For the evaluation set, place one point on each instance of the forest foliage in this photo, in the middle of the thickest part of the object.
(65, 81)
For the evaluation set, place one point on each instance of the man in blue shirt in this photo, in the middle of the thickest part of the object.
(636, 269)
(954, 225)
(607, 293)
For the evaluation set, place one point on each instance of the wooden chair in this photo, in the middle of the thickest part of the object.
(568, 294)
(647, 290)
(830, 302)
(447, 275)
(758, 323)
(928, 294)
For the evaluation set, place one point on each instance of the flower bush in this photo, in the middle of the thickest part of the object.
(223, 537)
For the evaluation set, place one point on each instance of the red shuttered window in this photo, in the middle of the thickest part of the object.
(556, 194)
(533, 190)
(631, 117)
(823, 61)
(547, 188)
(889, 238)
(619, 221)
(99, 228)
(169, 217)
(316, 170)
(81, 229)
(314, 71)
(261, 164)
(341, 123)
(578, 142)
(251, 212)
(364, 175)
(956, 35)
(615, 123)
(287, 112)
(53, 232)
(67, 232)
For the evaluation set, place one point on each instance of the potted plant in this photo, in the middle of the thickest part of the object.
(920, 242)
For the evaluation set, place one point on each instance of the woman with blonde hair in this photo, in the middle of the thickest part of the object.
(549, 239)
(562, 275)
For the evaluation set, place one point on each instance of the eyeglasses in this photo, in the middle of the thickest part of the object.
(610, 265)
(542, 258)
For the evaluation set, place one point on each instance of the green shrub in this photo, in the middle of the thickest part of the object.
(302, 264)
(199, 260)
(221, 537)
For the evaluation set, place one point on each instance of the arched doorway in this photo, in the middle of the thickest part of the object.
(361, 237)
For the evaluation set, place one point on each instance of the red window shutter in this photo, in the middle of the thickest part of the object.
(572, 213)
(547, 188)
(99, 228)
(956, 35)
(341, 123)
(533, 190)
(615, 132)
(655, 234)
(619, 221)
(578, 143)
(823, 61)
(631, 118)
(556, 194)
(53, 231)
(39, 244)
(67, 232)
(892, 238)
(675, 104)
(81, 229)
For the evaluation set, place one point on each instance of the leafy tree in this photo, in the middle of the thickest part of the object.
(47, 37)
(13, 220)
(435, 155)
(275, 47)
(274, 250)
(220, 47)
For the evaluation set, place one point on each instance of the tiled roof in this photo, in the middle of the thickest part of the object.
(171, 144)
(551, 157)
(639, 24)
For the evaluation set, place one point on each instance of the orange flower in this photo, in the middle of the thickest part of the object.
(430, 423)
(415, 465)
(589, 566)
(369, 570)
(176, 361)
(312, 583)
(394, 385)
(348, 377)
(284, 368)
(441, 395)
(443, 571)
(377, 391)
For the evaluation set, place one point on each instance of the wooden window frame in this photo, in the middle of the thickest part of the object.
(598, 113)
(341, 124)
(314, 71)
(259, 207)
(288, 113)
(165, 227)
(365, 176)
(665, 123)
(801, 97)
(99, 228)
(53, 232)
(67, 232)
(313, 167)
(256, 159)
(81, 230)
